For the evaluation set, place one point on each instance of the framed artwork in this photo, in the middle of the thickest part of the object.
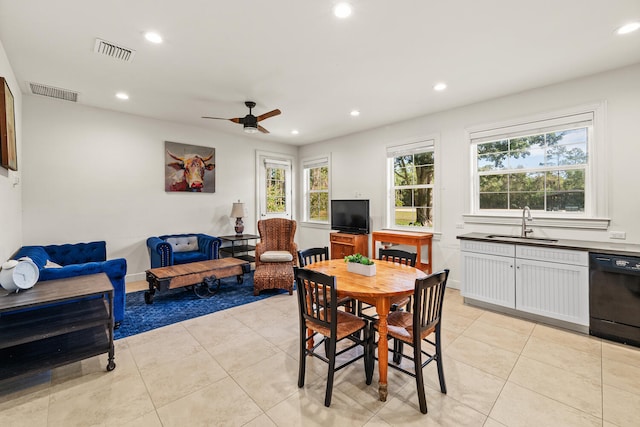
(189, 168)
(8, 154)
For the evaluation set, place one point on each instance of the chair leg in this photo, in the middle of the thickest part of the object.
(398, 348)
(368, 355)
(302, 363)
(417, 357)
(332, 367)
(443, 385)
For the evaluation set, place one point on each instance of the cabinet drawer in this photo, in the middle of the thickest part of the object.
(561, 256)
(500, 249)
(337, 238)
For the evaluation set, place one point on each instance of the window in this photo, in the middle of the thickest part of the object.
(544, 165)
(411, 172)
(274, 185)
(316, 190)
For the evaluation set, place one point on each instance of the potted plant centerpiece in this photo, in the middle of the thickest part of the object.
(360, 264)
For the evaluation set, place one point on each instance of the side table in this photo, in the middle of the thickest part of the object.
(240, 246)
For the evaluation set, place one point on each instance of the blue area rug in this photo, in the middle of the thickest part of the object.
(176, 305)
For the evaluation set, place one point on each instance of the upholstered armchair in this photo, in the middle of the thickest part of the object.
(275, 255)
(175, 249)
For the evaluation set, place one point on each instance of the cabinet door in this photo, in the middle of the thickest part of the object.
(559, 291)
(488, 278)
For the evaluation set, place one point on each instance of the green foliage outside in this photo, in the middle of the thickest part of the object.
(413, 181)
(318, 181)
(276, 190)
(544, 171)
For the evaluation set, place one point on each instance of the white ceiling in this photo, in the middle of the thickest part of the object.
(296, 56)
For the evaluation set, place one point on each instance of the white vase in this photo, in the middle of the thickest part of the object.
(364, 270)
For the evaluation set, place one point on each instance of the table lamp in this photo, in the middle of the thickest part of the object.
(237, 212)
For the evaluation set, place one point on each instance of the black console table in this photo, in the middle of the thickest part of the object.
(55, 323)
(240, 246)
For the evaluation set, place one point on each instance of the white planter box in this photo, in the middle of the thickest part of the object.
(364, 270)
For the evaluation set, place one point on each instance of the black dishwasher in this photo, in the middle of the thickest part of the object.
(614, 297)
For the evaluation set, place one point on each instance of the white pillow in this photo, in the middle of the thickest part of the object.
(276, 256)
(51, 264)
(183, 244)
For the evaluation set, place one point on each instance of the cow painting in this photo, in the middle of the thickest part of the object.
(189, 172)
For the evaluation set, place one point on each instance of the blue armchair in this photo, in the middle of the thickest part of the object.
(174, 249)
(79, 259)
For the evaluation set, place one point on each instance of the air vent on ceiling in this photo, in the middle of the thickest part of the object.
(53, 92)
(104, 47)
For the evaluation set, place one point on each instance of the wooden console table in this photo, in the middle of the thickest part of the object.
(55, 323)
(412, 238)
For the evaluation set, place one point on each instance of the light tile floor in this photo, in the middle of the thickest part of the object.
(239, 367)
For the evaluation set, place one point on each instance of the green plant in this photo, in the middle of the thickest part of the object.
(358, 258)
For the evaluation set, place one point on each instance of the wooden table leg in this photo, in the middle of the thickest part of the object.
(382, 307)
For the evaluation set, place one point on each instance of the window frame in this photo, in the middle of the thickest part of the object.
(596, 206)
(417, 145)
(307, 165)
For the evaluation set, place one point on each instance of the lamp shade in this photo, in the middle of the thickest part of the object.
(237, 211)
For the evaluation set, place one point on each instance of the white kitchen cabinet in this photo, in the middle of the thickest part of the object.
(488, 272)
(558, 289)
(548, 282)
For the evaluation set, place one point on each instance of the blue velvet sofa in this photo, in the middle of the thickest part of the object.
(80, 259)
(174, 249)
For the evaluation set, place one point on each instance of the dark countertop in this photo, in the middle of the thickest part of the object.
(581, 245)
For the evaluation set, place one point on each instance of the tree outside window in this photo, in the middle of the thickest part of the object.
(413, 185)
(316, 185)
(545, 171)
(276, 190)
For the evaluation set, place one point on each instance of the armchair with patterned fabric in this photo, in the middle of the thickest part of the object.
(276, 255)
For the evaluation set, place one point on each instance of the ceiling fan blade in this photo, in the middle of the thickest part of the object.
(234, 120)
(269, 114)
(263, 130)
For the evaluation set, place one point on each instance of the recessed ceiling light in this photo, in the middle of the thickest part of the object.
(122, 95)
(342, 10)
(628, 28)
(153, 37)
(440, 87)
(294, 132)
(355, 113)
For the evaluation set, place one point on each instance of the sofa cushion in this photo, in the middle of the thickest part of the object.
(183, 244)
(276, 256)
(37, 254)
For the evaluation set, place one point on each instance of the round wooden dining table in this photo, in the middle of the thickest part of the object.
(391, 282)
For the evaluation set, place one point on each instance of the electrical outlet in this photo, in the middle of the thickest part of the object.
(459, 224)
(617, 235)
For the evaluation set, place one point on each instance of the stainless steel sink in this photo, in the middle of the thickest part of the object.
(519, 238)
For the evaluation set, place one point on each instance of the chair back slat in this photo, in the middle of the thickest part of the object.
(397, 255)
(316, 291)
(309, 256)
(427, 303)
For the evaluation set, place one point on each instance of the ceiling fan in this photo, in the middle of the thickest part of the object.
(250, 122)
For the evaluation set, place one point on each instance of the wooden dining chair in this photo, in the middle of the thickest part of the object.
(319, 312)
(414, 328)
(400, 257)
(311, 255)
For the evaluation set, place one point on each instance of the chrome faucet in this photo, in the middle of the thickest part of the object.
(525, 230)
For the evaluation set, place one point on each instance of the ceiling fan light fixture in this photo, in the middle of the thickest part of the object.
(248, 128)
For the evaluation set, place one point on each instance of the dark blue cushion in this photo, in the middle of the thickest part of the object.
(36, 253)
(185, 257)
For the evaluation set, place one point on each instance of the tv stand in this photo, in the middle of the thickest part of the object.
(343, 244)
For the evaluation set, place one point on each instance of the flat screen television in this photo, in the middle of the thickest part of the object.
(350, 216)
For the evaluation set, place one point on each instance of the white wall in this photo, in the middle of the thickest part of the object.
(10, 194)
(92, 174)
(358, 161)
